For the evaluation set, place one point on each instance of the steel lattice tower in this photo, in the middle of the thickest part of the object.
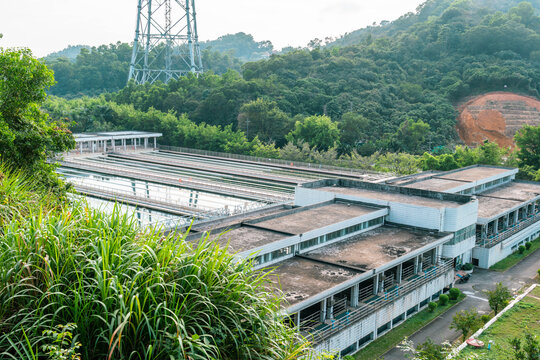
(166, 44)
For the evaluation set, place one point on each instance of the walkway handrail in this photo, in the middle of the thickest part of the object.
(495, 239)
(267, 196)
(366, 309)
(299, 164)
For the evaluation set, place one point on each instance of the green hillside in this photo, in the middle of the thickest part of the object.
(393, 93)
(475, 8)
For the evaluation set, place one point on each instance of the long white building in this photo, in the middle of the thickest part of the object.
(354, 259)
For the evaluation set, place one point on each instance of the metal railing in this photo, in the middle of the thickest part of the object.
(365, 293)
(407, 272)
(367, 308)
(165, 204)
(491, 240)
(242, 171)
(338, 170)
(270, 197)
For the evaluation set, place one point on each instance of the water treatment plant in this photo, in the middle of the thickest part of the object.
(354, 254)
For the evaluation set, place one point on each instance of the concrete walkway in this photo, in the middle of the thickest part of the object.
(439, 330)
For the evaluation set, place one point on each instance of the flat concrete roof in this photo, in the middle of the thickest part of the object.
(435, 184)
(516, 190)
(502, 199)
(474, 173)
(99, 136)
(375, 248)
(299, 279)
(489, 206)
(245, 238)
(391, 196)
(315, 218)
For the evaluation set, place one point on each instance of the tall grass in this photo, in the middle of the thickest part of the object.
(129, 294)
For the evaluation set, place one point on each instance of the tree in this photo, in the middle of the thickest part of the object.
(27, 135)
(352, 128)
(264, 119)
(466, 321)
(412, 134)
(319, 131)
(499, 297)
(489, 153)
(528, 141)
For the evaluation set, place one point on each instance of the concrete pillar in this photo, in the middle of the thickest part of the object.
(323, 310)
(417, 264)
(506, 221)
(496, 226)
(113, 145)
(145, 143)
(354, 295)
(155, 143)
(399, 274)
(135, 143)
(298, 320)
(93, 146)
(80, 147)
(104, 145)
(330, 312)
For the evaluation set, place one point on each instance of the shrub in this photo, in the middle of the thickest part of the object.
(538, 271)
(126, 292)
(528, 245)
(485, 318)
(443, 299)
(454, 293)
(467, 266)
(432, 306)
(521, 249)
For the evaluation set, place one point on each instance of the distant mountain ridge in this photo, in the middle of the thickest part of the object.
(70, 53)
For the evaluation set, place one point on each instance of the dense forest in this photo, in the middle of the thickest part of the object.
(389, 93)
(84, 70)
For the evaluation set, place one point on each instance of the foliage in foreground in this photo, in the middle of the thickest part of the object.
(27, 135)
(124, 294)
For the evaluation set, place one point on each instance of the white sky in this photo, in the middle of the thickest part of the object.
(46, 26)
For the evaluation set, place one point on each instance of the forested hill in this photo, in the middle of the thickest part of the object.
(475, 9)
(83, 70)
(389, 88)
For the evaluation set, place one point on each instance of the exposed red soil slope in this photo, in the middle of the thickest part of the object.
(496, 117)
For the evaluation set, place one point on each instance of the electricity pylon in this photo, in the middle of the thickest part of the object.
(166, 44)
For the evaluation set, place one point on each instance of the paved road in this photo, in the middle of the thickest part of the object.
(481, 280)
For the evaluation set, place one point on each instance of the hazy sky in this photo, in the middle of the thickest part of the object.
(50, 25)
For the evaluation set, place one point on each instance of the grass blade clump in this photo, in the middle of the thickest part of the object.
(130, 294)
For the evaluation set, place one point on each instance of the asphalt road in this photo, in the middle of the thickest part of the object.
(439, 330)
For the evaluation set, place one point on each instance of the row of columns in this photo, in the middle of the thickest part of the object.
(504, 222)
(327, 304)
(95, 145)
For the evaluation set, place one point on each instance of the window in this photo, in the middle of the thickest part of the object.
(398, 319)
(365, 340)
(463, 234)
(282, 252)
(384, 328)
(308, 243)
(374, 222)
